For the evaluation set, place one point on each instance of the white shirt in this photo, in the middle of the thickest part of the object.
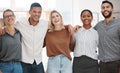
(32, 39)
(86, 42)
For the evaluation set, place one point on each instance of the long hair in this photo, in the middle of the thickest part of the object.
(51, 25)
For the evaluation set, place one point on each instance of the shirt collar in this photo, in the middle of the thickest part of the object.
(87, 29)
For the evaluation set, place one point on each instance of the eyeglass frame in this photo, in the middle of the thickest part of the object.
(9, 16)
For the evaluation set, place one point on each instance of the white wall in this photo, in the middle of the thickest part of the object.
(79, 5)
(116, 4)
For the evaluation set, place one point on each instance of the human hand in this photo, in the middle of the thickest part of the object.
(76, 28)
(71, 29)
(2, 31)
(0, 71)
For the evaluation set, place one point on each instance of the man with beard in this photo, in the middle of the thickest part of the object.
(109, 40)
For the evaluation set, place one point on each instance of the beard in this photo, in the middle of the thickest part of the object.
(107, 16)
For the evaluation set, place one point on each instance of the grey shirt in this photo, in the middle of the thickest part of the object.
(109, 40)
(10, 47)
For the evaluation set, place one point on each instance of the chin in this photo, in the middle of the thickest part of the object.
(36, 20)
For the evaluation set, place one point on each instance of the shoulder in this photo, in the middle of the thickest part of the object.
(95, 32)
(43, 21)
(98, 24)
(22, 19)
(17, 30)
(117, 21)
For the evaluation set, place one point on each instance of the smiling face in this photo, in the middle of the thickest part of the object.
(86, 17)
(56, 19)
(35, 13)
(106, 10)
(9, 18)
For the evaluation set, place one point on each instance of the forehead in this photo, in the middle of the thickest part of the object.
(105, 4)
(54, 13)
(85, 12)
(8, 13)
(36, 9)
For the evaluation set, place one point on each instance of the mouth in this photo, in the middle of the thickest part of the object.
(106, 12)
(86, 20)
(56, 21)
(36, 17)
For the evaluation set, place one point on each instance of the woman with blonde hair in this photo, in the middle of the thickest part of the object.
(58, 43)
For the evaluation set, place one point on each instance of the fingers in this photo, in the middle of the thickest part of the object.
(2, 31)
(76, 28)
(71, 30)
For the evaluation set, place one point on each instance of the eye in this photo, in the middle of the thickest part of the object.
(57, 15)
(103, 7)
(83, 16)
(53, 17)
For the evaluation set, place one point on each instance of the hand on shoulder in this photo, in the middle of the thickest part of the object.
(76, 28)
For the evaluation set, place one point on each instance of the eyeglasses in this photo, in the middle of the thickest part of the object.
(8, 16)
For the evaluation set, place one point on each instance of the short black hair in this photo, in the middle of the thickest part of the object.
(106, 1)
(35, 5)
(86, 10)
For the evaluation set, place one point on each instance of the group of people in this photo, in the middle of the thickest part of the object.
(21, 43)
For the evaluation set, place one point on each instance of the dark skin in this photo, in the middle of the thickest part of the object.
(86, 18)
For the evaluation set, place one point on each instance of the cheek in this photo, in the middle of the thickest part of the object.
(52, 20)
(82, 19)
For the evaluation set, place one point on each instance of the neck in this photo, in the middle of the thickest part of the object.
(32, 22)
(9, 26)
(107, 20)
(58, 28)
(10, 30)
(87, 26)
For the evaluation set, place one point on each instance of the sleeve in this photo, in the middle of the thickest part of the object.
(20, 37)
(17, 23)
(95, 27)
(66, 27)
(69, 28)
(44, 43)
(72, 43)
(0, 43)
(97, 38)
(119, 33)
(97, 42)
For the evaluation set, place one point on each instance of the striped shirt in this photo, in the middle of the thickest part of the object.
(86, 42)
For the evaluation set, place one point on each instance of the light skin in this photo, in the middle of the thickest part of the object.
(9, 20)
(107, 11)
(57, 21)
(35, 14)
